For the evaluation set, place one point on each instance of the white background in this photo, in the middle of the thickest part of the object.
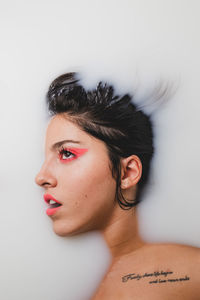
(134, 44)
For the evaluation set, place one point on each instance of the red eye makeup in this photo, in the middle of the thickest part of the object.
(68, 154)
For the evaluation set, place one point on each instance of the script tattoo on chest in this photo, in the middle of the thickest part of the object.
(159, 277)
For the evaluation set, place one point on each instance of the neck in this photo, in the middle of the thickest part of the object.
(121, 233)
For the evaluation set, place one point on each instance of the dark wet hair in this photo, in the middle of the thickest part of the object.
(113, 119)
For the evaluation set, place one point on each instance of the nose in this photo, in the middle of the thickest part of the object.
(45, 178)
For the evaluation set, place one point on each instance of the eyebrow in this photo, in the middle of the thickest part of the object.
(60, 143)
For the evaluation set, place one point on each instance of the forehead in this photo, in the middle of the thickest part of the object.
(61, 128)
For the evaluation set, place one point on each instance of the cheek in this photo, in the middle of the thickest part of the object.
(88, 184)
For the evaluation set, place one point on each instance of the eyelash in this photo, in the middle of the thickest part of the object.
(65, 151)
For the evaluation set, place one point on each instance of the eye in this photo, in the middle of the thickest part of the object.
(66, 155)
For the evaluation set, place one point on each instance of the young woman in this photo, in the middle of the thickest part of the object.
(98, 153)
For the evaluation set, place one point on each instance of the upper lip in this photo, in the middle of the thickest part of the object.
(48, 197)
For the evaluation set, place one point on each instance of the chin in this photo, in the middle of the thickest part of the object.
(65, 230)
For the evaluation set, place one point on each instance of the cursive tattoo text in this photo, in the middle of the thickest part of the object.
(161, 277)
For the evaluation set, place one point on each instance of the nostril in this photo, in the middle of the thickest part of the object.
(45, 184)
(45, 181)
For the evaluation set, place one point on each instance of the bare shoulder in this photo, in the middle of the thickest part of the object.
(180, 252)
(172, 266)
(184, 257)
(159, 271)
(177, 255)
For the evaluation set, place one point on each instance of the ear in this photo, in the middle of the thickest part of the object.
(131, 171)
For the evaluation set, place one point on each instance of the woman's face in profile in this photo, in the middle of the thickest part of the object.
(76, 173)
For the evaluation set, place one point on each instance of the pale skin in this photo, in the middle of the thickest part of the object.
(85, 187)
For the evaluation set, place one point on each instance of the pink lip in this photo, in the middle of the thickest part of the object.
(48, 197)
(51, 211)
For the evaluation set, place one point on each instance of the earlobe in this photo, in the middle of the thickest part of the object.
(131, 171)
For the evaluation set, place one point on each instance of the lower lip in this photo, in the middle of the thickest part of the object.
(52, 211)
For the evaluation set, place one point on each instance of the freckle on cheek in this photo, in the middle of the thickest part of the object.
(85, 195)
